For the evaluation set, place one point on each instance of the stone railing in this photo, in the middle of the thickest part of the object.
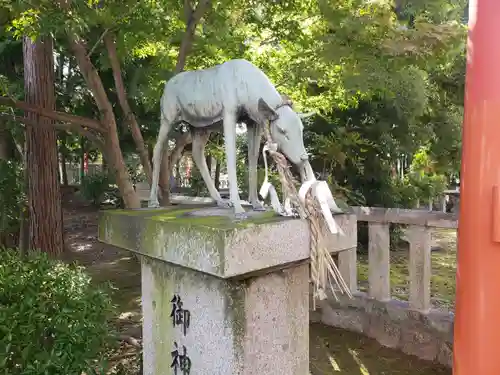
(412, 326)
(440, 202)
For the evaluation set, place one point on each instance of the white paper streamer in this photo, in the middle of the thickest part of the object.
(268, 188)
(320, 191)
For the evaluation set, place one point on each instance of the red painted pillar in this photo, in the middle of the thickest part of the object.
(477, 324)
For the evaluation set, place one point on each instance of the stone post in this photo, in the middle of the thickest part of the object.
(220, 296)
(379, 278)
(420, 267)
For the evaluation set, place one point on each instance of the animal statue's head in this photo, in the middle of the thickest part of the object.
(287, 131)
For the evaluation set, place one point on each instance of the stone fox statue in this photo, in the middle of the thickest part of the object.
(229, 93)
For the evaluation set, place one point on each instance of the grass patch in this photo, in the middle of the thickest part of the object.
(443, 271)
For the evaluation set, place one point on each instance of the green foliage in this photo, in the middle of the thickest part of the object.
(423, 177)
(53, 320)
(385, 81)
(95, 186)
(12, 196)
(99, 187)
(384, 88)
(197, 187)
(135, 169)
(273, 176)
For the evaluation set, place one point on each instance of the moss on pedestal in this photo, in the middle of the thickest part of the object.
(194, 237)
(182, 217)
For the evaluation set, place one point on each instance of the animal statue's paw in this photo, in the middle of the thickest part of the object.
(153, 203)
(241, 216)
(258, 206)
(224, 203)
(239, 212)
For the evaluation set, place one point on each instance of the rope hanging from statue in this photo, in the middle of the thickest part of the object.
(313, 202)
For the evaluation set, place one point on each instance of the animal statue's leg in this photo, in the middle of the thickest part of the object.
(200, 139)
(253, 137)
(230, 145)
(157, 156)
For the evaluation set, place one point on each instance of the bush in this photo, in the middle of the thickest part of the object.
(197, 186)
(135, 169)
(99, 188)
(52, 319)
(95, 186)
(11, 196)
(273, 175)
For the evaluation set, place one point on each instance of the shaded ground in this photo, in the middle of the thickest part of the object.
(444, 268)
(333, 351)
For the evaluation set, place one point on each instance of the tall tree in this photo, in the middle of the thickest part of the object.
(44, 197)
(324, 54)
(122, 33)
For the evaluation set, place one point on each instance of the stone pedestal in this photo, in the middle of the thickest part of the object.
(220, 297)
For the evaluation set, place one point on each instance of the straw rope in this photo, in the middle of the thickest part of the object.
(323, 267)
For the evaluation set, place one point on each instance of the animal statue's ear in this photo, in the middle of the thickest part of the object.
(305, 115)
(266, 111)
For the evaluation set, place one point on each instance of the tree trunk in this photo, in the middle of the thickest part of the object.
(64, 169)
(58, 170)
(178, 179)
(169, 161)
(111, 141)
(118, 168)
(150, 151)
(208, 159)
(44, 196)
(217, 174)
(164, 183)
(192, 17)
(121, 92)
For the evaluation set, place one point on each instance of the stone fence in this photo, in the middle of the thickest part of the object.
(414, 327)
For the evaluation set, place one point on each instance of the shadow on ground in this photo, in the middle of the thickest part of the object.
(332, 351)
